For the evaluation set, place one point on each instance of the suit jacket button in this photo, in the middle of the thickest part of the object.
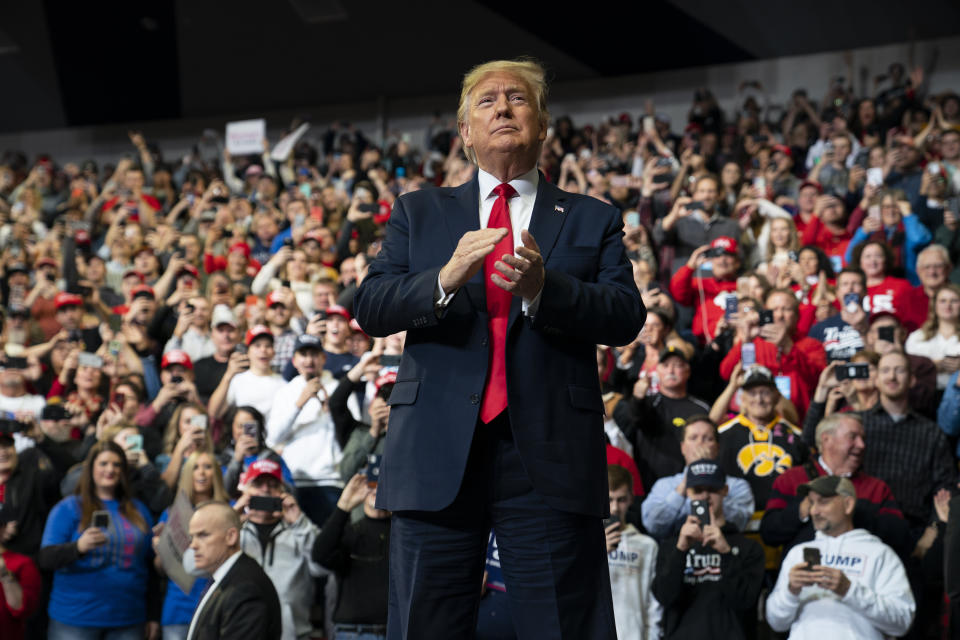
(474, 398)
(483, 342)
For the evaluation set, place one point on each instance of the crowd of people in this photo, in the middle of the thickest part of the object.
(782, 432)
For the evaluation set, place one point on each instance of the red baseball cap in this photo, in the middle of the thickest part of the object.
(274, 297)
(189, 268)
(784, 149)
(257, 331)
(728, 244)
(355, 326)
(807, 183)
(176, 356)
(145, 248)
(260, 468)
(142, 290)
(45, 262)
(315, 235)
(388, 378)
(64, 299)
(242, 247)
(337, 310)
(133, 272)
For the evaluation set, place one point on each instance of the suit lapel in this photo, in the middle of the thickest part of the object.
(549, 214)
(462, 216)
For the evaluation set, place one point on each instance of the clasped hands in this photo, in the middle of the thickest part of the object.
(522, 276)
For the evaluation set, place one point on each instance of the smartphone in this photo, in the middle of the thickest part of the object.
(176, 379)
(766, 317)
(701, 510)
(15, 362)
(852, 371)
(373, 469)
(115, 322)
(714, 252)
(618, 181)
(114, 348)
(811, 555)
(696, 205)
(135, 442)
(199, 420)
(885, 333)
(250, 429)
(240, 348)
(730, 307)
(760, 184)
(748, 355)
(269, 504)
(633, 219)
(875, 177)
(649, 126)
(86, 359)
(851, 302)
(373, 207)
(101, 519)
(873, 212)
(390, 361)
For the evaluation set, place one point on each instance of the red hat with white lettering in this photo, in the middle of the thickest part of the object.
(260, 468)
(176, 356)
(728, 244)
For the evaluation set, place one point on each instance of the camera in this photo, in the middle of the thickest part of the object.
(852, 371)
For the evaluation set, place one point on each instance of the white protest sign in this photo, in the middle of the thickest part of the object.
(174, 540)
(246, 136)
(283, 148)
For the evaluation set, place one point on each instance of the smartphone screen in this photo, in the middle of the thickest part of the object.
(748, 355)
(266, 503)
(101, 519)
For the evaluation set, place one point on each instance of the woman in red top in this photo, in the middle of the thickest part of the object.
(884, 292)
(19, 590)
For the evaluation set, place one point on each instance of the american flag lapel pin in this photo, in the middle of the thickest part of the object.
(558, 208)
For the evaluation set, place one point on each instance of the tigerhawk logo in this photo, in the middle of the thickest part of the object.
(764, 459)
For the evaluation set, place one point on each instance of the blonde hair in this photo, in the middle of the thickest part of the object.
(186, 477)
(793, 244)
(932, 325)
(529, 71)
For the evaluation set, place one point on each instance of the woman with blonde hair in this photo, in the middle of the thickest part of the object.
(200, 481)
(187, 431)
(937, 339)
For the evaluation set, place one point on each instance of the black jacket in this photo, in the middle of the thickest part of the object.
(244, 604)
(706, 594)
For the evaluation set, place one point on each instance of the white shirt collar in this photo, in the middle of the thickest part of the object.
(526, 184)
(224, 568)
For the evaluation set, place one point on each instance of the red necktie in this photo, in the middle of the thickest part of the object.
(498, 309)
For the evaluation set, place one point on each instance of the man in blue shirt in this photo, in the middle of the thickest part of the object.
(667, 507)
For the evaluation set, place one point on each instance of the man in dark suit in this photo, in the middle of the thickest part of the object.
(241, 602)
(505, 285)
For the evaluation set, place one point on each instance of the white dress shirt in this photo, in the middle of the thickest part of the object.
(521, 211)
(218, 575)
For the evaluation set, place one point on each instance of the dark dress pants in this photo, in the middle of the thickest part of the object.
(554, 563)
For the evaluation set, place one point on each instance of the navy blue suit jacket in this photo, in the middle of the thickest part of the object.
(553, 389)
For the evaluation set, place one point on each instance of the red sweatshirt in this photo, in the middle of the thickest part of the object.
(816, 233)
(13, 621)
(900, 298)
(802, 364)
(685, 290)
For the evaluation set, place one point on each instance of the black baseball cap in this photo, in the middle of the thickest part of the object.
(706, 473)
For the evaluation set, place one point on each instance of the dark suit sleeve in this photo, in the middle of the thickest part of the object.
(247, 614)
(608, 311)
(391, 299)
